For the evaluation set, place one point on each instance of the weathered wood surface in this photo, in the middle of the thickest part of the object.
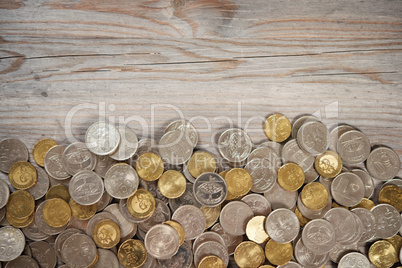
(338, 59)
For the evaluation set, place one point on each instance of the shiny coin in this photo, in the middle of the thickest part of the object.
(353, 260)
(234, 145)
(53, 163)
(182, 259)
(255, 230)
(40, 149)
(172, 184)
(178, 228)
(388, 220)
(292, 153)
(162, 241)
(211, 261)
(121, 181)
(107, 259)
(102, 138)
(347, 189)
(313, 137)
(56, 212)
(328, 164)
(149, 166)
(343, 222)
(132, 253)
(11, 152)
(61, 238)
(367, 181)
(353, 147)
(282, 225)
(234, 217)
(365, 203)
(79, 251)
(209, 248)
(86, 187)
(191, 219)
(280, 198)
(58, 191)
(41, 223)
(41, 186)
(141, 204)
(277, 127)
(44, 253)
(262, 174)
(22, 261)
(238, 182)
(160, 215)
(201, 162)
(81, 212)
(319, 236)
(336, 133)
(106, 234)
(210, 189)
(258, 204)
(12, 241)
(4, 193)
(314, 196)
(128, 144)
(309, 258)
(211, 214)
(299, 122)
(22, 175)
(382, 254)
(187, 128)
(97, 218)
(20, 204)
(290, 177)
(383, 163)
(175, 148)
(249, 254)
(278, 254)
(76, 157)
(368, 221)
(124, 210)
(231, 241)
(391, 195)
(20, 222)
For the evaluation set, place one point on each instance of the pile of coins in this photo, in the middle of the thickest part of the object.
(307, 197)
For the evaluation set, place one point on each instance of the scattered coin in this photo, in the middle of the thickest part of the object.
(102, 138)
(141, 204)
(277, 128)
(388, 220)
(211, 261)
(290, 177)
(175, 147)
(44, 253)
(11, 152)
(309, 258)
(319, 236)
(328, 164)
(238, 182)
(234, 217)
(314, 196)
(391, 195)
(282, 225)
(41, 186)
(186, 127)
(86, 187)
(313, 137)
(107, 259)
(162, 241)
(128, 144)
(82, 212)
(53, 163)
(191, 219)
(255, 230)
(369, 224)
(258, 204)
(354, 259)
(383, 163)
(79, 251)
(367, 181)
(160, 215)
(172, 184)
(183, 258)
(347, 189)
(210, 189)
(201, 162)
(40, 149)
(76, 157)
(22, 175)
(20, 204)
(209, 248)
(12, 241)
(56, 212)
(382, 254)
(299, 122)
(211, 215)
(132, 253)
(234, 145)
(106, 234)
(280, 198)
(121, 181)
(292, 153)
(149, 166)
(58, 191)
(353, 147)
(22, 261)
(4, 193)
(231, 241)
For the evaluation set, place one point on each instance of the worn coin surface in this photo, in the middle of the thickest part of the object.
(234, 217)
(191, 219)
(11, 152)
(319, 236)
(128, 144)
(56, 212)
(354, 260)
(367, 181)
(249, 254)
(61, 238)
(187, 198)
(309, 258)
(22, 175)
(209, 248)
(22, 261)
(41, 186)
(211, 261)
(53, 163)
(368, 221)
(387, 219)
(268, 155)
(353, 147)
(282, 225)
(79, 251)
(126, 227)
(313, 137)
(382, 254)
(42, 225)
(40, 149)
(347, 189)
(58, 191)
(32, 232)
(201, 162)
(121, 181)
(86, 187)
(291, 177)
(258, 204)
(277, 253)
(210, 189)
(187, 128)
(81, 212)
(132, 253)
(178, 228)
(277, 127)
(299, 122)
(76, 157)
(175, 148)
(102, 138)
(255, 230)
(343, 222)
(234, 145)
(103, 164)
(106, 234)
(44, 253)
(182, 259)
(383, 163)
(4, 193)
(280, 198)
(231, 241)
(172, 184)
(12, 241)
(20, 204)
(292, 153)
(149, 166)
(262, 174)
(162, 241)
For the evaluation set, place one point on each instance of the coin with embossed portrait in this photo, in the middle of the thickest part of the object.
(382, 254)
(102, 138)
(290, 177)
(234, 145)
(56, 212)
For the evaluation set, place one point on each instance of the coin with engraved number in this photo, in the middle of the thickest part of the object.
(11, 152)
(79, 251)
(132, 253)
(106, 234)
(280, 198)
(313, 137)
(172, 184)
(22, 175)
(22, 261)
(12, 241)
(255, 230)
(42, 184)
(40, 149)
(277, 253)
(383, 163)
(290, 177)
(128, 144)
(382, 254)
(347, 189)
(235, 145)
(209, 248)
(121, 181)
(187, 128)
(210, 189)
(309, 258)
(249, 254)
(277, 127)
(319, 236)
(86, 187)
(182, 259)
(354, 260)
(107, 259)
(282, 225)
(44, 253)
(53, 163)
(369, 224)
(234, 217)
(4, 193)
(258, 204)
(387, 219)
(162, 241)
(175, 148)
(76, 157)
(201, 162)
(102, 138)
(353, 147)
(191, 219)
(292, 153)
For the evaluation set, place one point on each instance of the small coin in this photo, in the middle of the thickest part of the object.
(255, 230)
(313, 137)
(388, 220)
(12, 241)
(149, 166)
(201, 162)
(128, 144)
(309, 258)
(20, 204)
(175, 147)
(79, 251)
(106, 234)
(58, 191)
(209, 248)
(187, 128)
(102, 138)
(22, 261)
(178, 228)
(258, 204)
(354, 260)
(162, 241)
(40, 149)
(319, 236)
(369, 224)
(290, 177)
(292, 153)
(249, 254)
(141, 204)
(160, 215)
(238, 182)
(277, 128)
(44, 253)
(211, 261)
(353, 147)
(235, 216)
(11, 152)
(234, 145)
(382, 254)
(191, 219)
(383, 163)
(314, 196)
(4, 193)
(280, 198)
(347, 189)
(86, 187)
(210, 189)
(172, 184)
(56, 212)
(367, 181)
(22, 175)
(391, 195)
(277, 253)
(53, 163)
(336, 133)
(328, 164)
(81, 212)
(121, 181)
(211, 215)
(231, 241)
(76, 157)
(282, 225)
(42, 184)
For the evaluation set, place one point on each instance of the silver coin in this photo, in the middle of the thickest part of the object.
(185, 127)
(234, 145)
(313, 137)
(160, 215)
(292, 153)
(319, 236)
(105, 200)
(344, 223)
(191, 219)
(266, 154)
(210, 189)
(356, 236)
(301, 121)
(162, 241)
(208, 236)
(369, 224)
(128, 144)
(76, 157)
(326, 182)
(152, 187)
(395, 181)
(44, 253)
(347, 189)
(182, 259)
(127, 214)
(107, 259)
(4, 193)
(22, 261)
(235, 216)
(340, 250)
(12, 151)
(262, 174)
(258, 204)
(2, 214)
(121, 181)
(79, 250)
(42, 225)
(336, 133)
(103, 164)
(86, 187)
(145, 146)
(150, 262)
(12, 242)
(102, 138)
(187, 198)
(126, 227)
(353, 147)
(97, 218)
(61, 238)
(290, 264)
(282, 225)
(387, 219)
(53, 163)
(231, 241)
(279, 198)
(309, 258)
(276, 146)
(211, 248)
(174, 148)
(41, 186)
(33, 233)
(310, 175)
(313, 214)
(354, 260)
(383, 163)
(78, 224)
(367, 181)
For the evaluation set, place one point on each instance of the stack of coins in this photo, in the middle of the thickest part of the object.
(307, 197)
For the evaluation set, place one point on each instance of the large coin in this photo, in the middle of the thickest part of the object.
(79, 251)
(388, 220)
(44, 253)
(121, 181)
(319, 236)
(76, 157)
(343, 222)
(185, 127)
(313, 137)
(54, 164)
(309, 258)
(353, 147)
(347, 189)
(210, 189)
(383, 163)
(235, 216)
(128, 144)
(282, 225)
(175, 148)
(12, 151)
(234, 145)
(292, 153)
(162, 241)
(12, 243)
(102, 138)
(191, 219)
(86, 187)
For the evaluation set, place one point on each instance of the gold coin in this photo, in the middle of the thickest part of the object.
(365, 203)
(290, 177)
(20, 205)
(149, 166)
(22, 175)
(211, 214)
(172, 184)
(249, 254)
(328, 164)
(81, 212)
(391, 195)
(56, 212)
(40, 149)
(141, 204)
(382, 254)
(20, 223)
(278, 254)
(179, 229)
(303, 220)
(229, 196)
(58, 191)
(211, 262)
(239, 182)
(277, 127)
(255, 230)
(132, 253)
(201, 162)
(106, 234)
(396, 242)
(314, 196)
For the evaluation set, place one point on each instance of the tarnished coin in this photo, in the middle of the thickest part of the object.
(12, 242)
(231, 241)
(102, 138)
(387, 219)
(61, 238)
(367, 181)
(128, 144)
(175, 148)
(258, 204)
(290, 177)
(383, 163)
(382, 254)
(182, 259)
(211, 214)
(234, 145)
(172, 184)
(347, 189)
(249, 254)
(210, 189)
(162, 241)
(4, 193)
(238, 182)
(149, 166)
(42, 185)
(56, 212)
(201, 162)
(22, 175)
(86, 187)
(40, 149)
(126, 227)
(53, 163)
(235, 216)
(309, 258)
(262, 174)
(187, 198)
(207, 236)
(255, 230)
(33, 233)
(292, 153)
(11, 152)
(187, 128)
(277, 253)
(76, 157)
(280, 198)
(132, 253)
(299, 122)
(107, 259)
(160, 215)
(103, 164)
(121, 181)
(282, 225)
(79, 251)
(277, 127)
(354, 260)
(211, 261)
(106, 234)
(336, 133)
(313, 137)
(44, 253)
(369, 224)
(81, 212)
(97, 218)
(343, 222)
(22, 261)
(20, 222)
(353, 147)
(191, 219)
(319, 236)
(58, 191)
(20, 204)
(42, 225)
(328, 164)
(209, 248)
(391, 195)
(340, 250)
(141, 204)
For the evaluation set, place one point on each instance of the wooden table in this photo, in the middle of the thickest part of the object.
(218, 61)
